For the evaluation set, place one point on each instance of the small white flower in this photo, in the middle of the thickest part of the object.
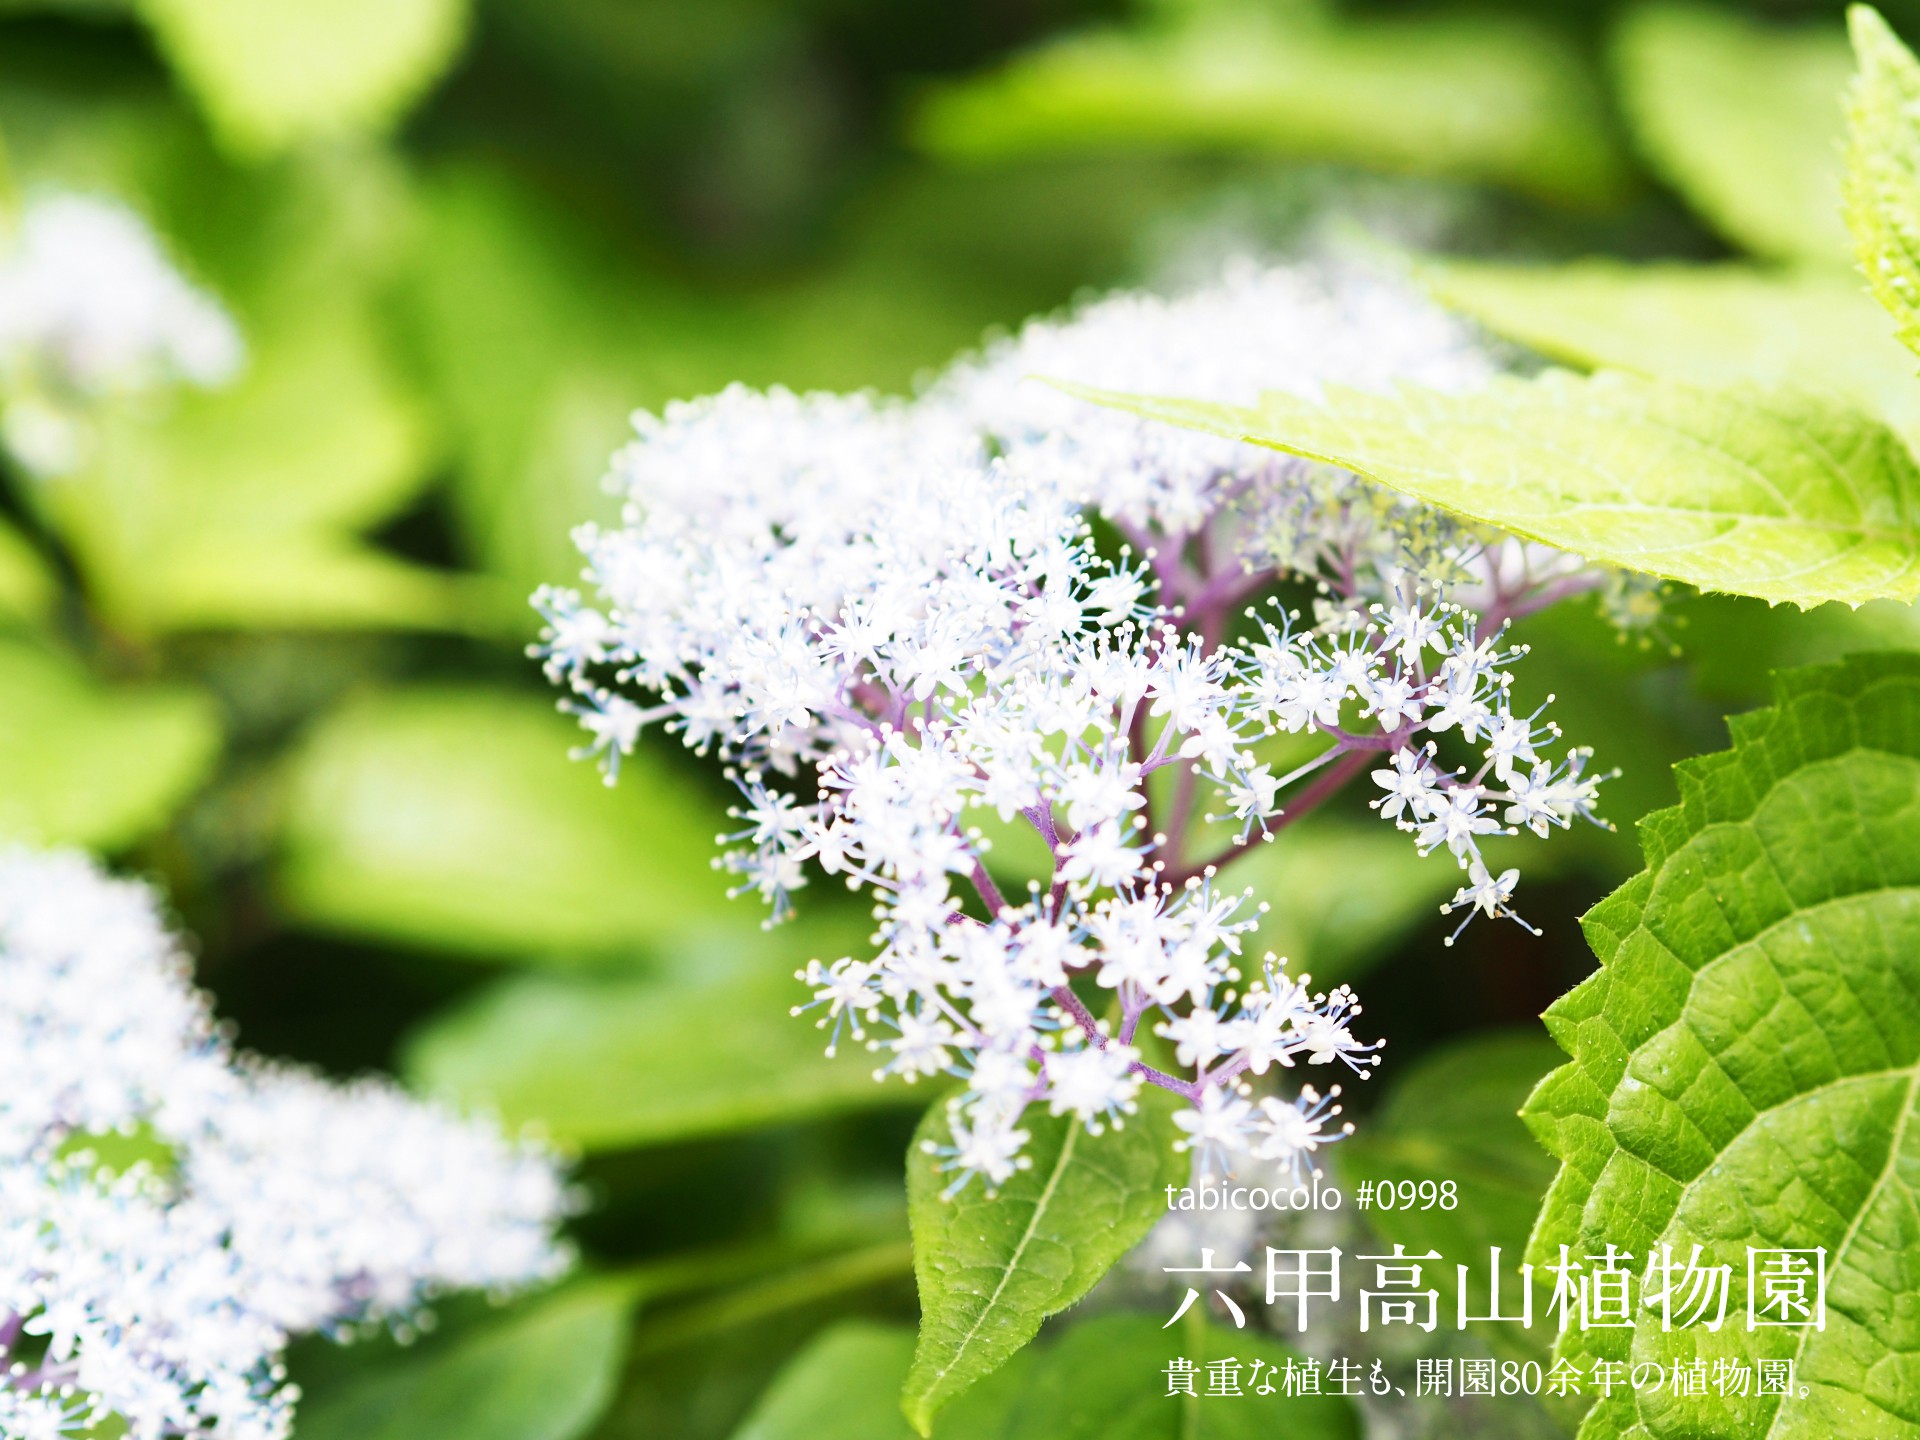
(1091, 1083)
(1488, 894)
(1411, 786)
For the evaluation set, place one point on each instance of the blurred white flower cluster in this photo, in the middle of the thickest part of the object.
(172, 1212)
(90, 307)
(911, 626)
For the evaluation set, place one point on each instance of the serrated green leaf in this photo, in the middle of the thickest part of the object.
(453, 819)
(1481, 100)
(990, 1268)
(608, 1063)
(545, 1371)
(1746, 1060)
(1705, 324)
(85, 764)
(1744, 119)
(1779, 495)
(1883, 169)
(273, 76)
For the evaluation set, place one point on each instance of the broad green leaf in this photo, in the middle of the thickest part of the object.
(1106, 1379)
(1479, 100)
(543, 1371)
(1744, 119)
(1779, 495)
(1455, 1115)
(1746, 1061)
(452, 818)
(86, 764)
(606, 1063)
(1704, 324)
(1883, 169)
(990, 1268)
(273, 76)
(26, 585)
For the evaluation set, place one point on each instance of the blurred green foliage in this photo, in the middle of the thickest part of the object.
(267, 645)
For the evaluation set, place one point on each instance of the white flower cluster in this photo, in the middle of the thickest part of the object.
(910, 626)
(90, 307)
(249, 1202)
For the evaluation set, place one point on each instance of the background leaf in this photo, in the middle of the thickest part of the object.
(605, 1063)
(1324, 925)
(87, 764)
(247, 506)
(846, 1384)
(1747, 1060)
(1387, 95)
(1455, 1114)
(1780, 496)
(544, 1371)
(991, 1268)
(1104, 1378)
(26, 585)
(1704, 324)
(273, 76)
(238, 508)
(452, 818)
(1883, 169)
(1744, 119)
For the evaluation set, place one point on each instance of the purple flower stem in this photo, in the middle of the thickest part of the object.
(1329, 784)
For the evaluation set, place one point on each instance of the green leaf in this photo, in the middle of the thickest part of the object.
(1779, 495)
(846, 1385)
(453, 819)
(238, 508)
(1480, 100)
(1456, 1115)
(544, 1371)
(537, 343)
(1103, 1379)
(1106, 1379)
(27, 587)
(990, 1268)
(1705, 324)
(606, 1063)
(271, 77)
(246, 507)
(84, 764)
(1744, 119)
(1746, 1061)
(1883, 169)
